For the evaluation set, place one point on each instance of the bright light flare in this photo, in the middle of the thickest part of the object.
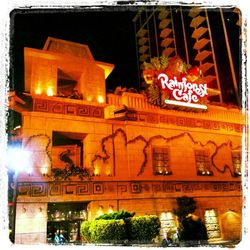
(18, 159)
(38, 91)
(100, 99)
(50, 91)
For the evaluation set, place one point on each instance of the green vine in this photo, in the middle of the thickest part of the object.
(68, 171)
(166, 139)
(46, 147)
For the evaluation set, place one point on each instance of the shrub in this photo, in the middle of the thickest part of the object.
(112, 231)
(143, 228)
(186, 205)
(118, 215)
(85, 230)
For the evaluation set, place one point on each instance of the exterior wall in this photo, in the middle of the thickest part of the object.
(118, 182)
(118, 149)
(31, 223)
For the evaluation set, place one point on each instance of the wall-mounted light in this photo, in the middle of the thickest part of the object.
(99, 211)
(110, 209)
(108, 172)
(100, 99)
(44, 170)
(97, 171)
(50, 91)
(38, 90)
(89, 98)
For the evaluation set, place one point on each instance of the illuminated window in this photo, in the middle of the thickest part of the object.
(202, 162)
(161, 161)
(236, 159)
(212, 224)
(168, 224)
(65, 218)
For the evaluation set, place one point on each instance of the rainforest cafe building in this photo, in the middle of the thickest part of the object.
(140, 151)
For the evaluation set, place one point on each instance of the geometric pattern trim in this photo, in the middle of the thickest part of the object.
(56, 107)
(188, 122)
(48, 189)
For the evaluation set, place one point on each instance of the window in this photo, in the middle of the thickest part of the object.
(212, 224)
(67, 149)
(236, 159)
(202, 162)
(168, 225)
(65, 219)
(161, 161)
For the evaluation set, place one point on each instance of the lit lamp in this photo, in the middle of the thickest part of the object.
(44, 170)
(100, 99)
(89, 98)
(18, 161)
(110, 209)
(50, 91)
(38, 90)
(100, 211)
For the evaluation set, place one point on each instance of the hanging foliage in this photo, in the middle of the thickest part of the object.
(106, 155)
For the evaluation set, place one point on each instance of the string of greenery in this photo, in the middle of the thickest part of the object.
(167, 140)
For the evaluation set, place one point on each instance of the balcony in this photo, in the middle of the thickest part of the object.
(132, 106)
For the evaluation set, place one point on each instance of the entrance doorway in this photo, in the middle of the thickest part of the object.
(64, 221)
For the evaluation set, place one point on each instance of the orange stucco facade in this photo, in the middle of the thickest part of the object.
(118, 149)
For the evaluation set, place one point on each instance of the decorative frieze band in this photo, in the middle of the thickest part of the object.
(188, 122)
(66, 108)
(48, 189)
(50, 106)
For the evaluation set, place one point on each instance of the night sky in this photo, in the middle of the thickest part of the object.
(109, 33)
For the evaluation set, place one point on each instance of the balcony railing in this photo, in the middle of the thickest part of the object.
(132, 100)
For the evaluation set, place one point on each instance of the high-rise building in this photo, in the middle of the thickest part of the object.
(188, 32)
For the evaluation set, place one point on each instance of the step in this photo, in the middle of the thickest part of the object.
(168, 51)
(165, 32)
(201, 56)
(201, 44)
(143, 57)
(164, 23)
(143, 49)
(197, 21)
(142, 40)
(167, 41)
(163, 14)
(209, 78)
(141, 33)
(206, 66)
(195, 11)
(199, 32)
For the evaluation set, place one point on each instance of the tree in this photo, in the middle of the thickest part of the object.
(192, 229)
(186, 206)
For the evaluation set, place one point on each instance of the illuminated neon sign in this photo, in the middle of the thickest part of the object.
(184, 93)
